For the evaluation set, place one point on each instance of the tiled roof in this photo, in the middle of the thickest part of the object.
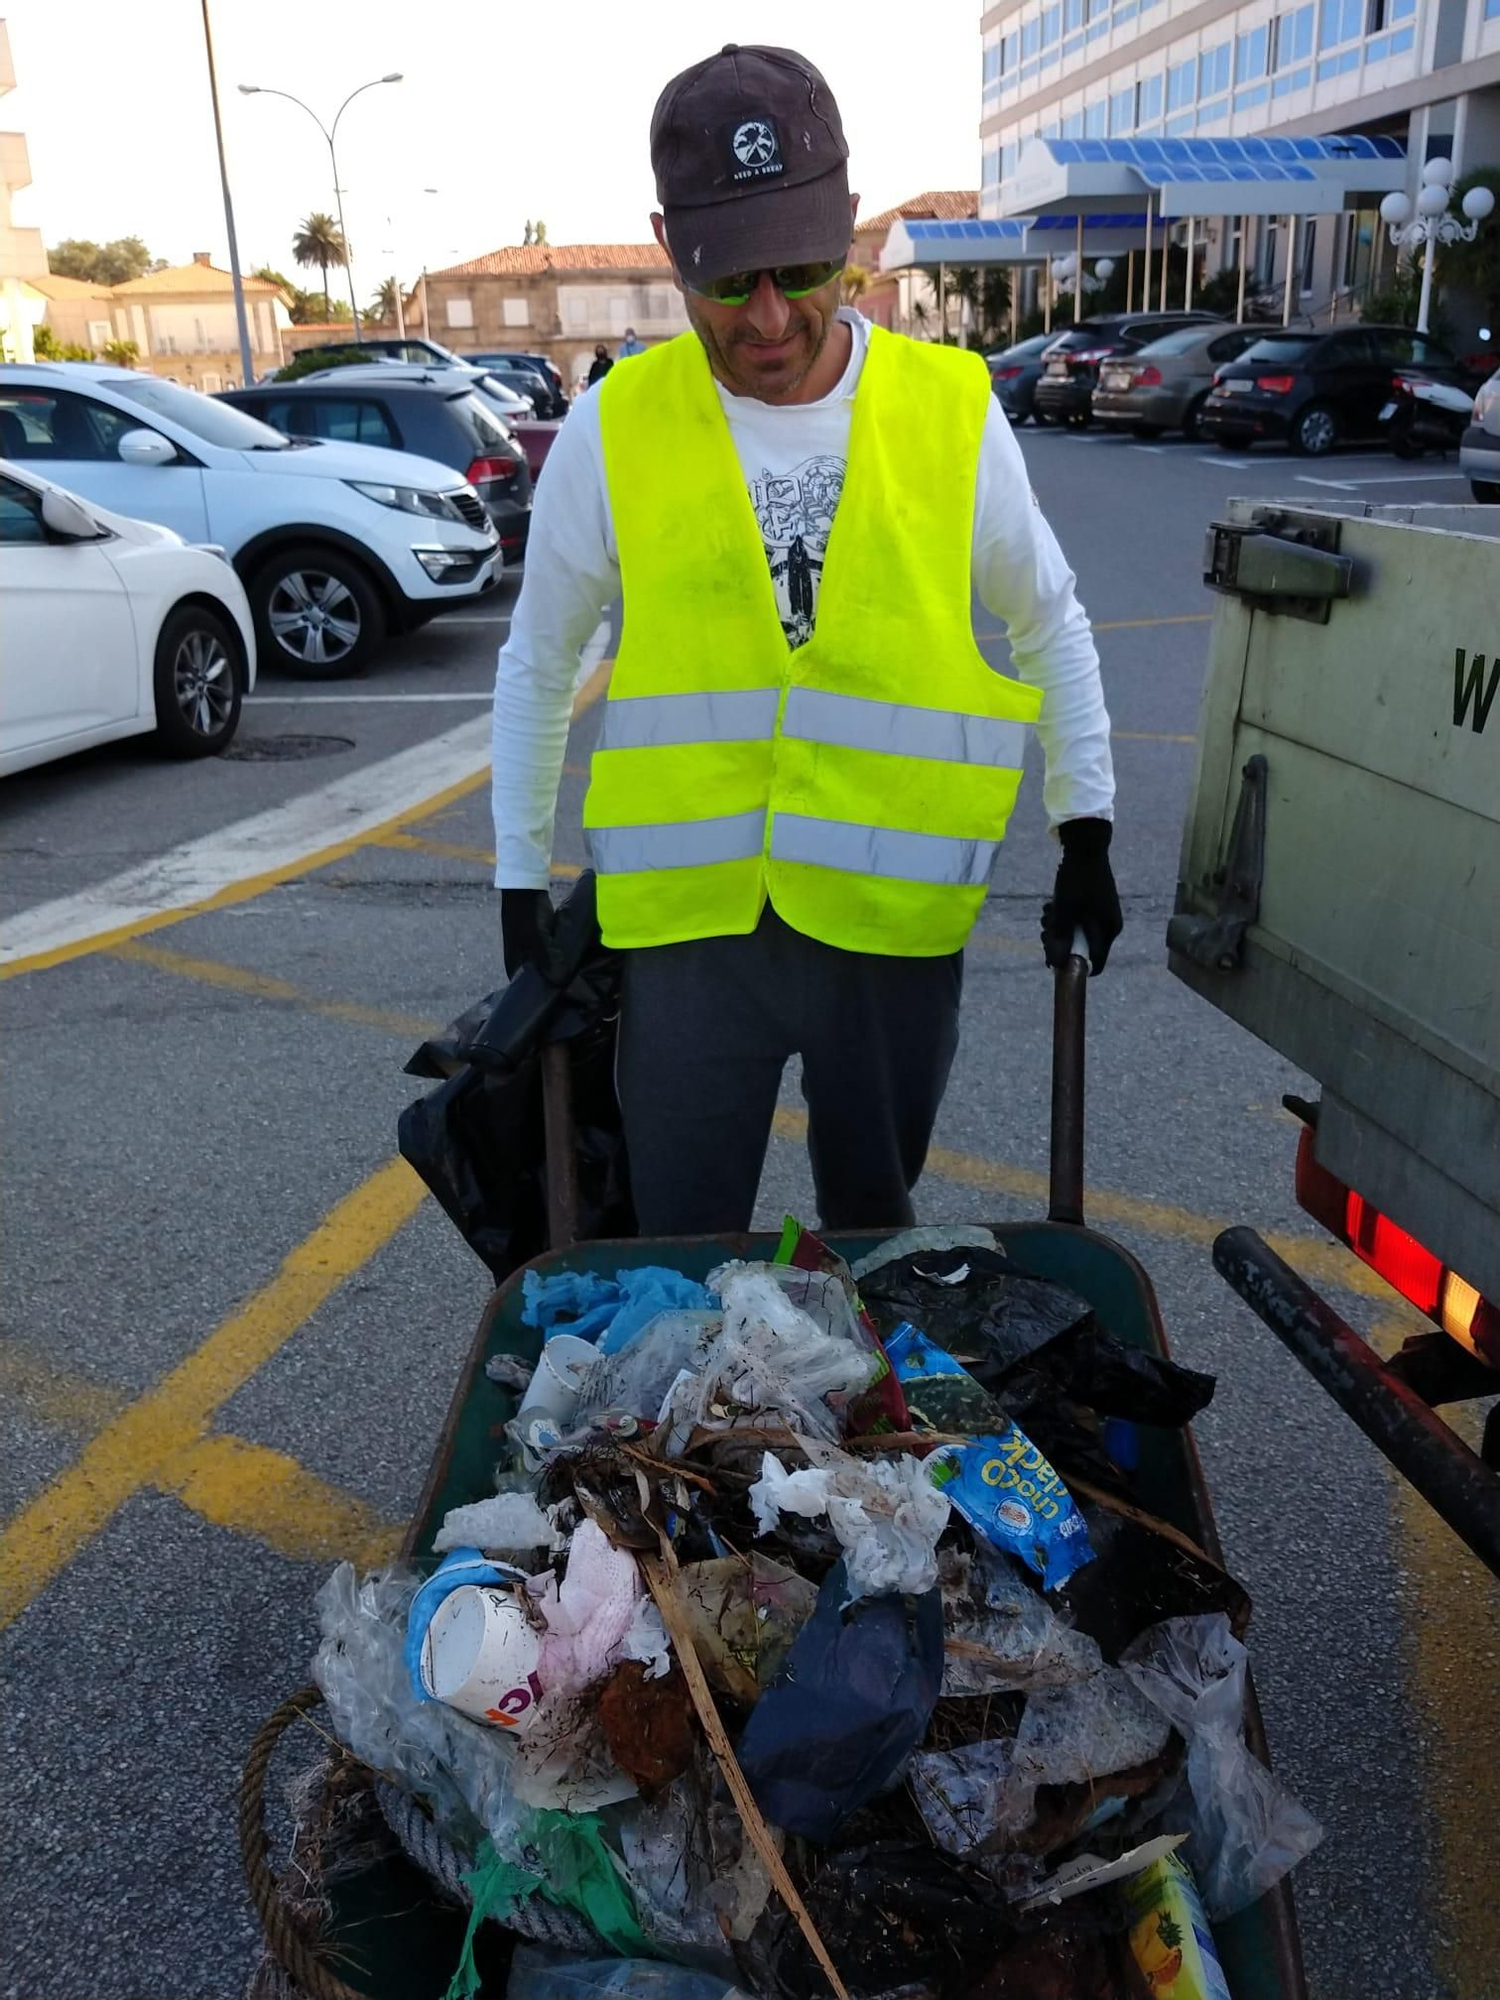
(53, 285)
(540, 259)
(197, 278)
(950, 205)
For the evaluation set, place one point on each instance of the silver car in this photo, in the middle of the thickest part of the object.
(1163, 386)
(1479, 454)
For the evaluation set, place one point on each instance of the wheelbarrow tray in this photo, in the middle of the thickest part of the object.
(393, 1937)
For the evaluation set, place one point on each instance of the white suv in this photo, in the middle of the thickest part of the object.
(336, 543)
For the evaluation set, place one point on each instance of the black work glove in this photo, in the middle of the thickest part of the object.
(526, 918)
(1084, 896)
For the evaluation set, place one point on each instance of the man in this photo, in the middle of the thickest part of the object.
(805, 764)
(630, 344)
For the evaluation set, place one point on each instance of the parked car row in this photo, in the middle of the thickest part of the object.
(1148, 373)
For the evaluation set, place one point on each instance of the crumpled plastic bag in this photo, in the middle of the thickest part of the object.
(608, 1311)
(536, 1975)
(1072, 1735)
(972, 1795)
(927, 1237)
(885, 1513)
(510, 1522)
(636, 1380)
(588, 1614)
(744, 1613)
(850, 1705)
(1002, 1634)
(1245, 1830)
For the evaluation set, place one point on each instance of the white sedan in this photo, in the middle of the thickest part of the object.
(113, 627)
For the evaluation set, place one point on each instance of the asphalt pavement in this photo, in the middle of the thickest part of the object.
(233, 1326)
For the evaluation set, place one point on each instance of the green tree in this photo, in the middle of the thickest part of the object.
(46, 346)
(855, 282)
(113, 263)
(384, 304)
(1475, 267)
(986, 292)
(312, 359)
(527, 238)
(123, 353)
(538, 232)
(319, 242)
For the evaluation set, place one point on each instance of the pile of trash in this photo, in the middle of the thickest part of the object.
(814, 1638)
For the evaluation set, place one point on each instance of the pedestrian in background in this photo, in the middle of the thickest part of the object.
(630, 345)
(601, 365)
(804, 773)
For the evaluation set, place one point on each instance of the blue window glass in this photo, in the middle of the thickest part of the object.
(1182, 84)
(1096, 120)
(1401, 42)
(1402, 10)
(1148, 100)
(1010, 153)
(1256, 94)
(1126, 13)
(992, 63)
(1209, 114)
(1213, 71)
(990, 175)
(1250, 53)
(1292, 79)
(1183, 122)
(1031, 38)
(1072, 127)
(1010, 53)
(1122, 113)
(1096, 29)
(1072, 15)
(1073, 44)
(1377, 50)
(1292, 38)
(1052, 25)
(1339, 21)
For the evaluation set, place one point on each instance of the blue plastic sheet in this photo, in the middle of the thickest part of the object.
(458, 1567)
(608, 1311)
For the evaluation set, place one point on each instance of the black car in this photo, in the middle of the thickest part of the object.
(436, 418)
(538, 364)
(428, 352)
(1315, 390)
(1070, 366)
(1014, 374)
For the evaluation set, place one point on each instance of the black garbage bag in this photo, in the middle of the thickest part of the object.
(479, 1139)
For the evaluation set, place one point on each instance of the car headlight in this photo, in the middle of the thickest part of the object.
(1487, 402)
(409, 499)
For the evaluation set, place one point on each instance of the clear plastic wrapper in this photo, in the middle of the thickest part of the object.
(971, 1796)
(505, 1523)
(1071, 1735)
(536, 1975)
(885, 1513)
(1002, 1634)
(931, 1237)
(666, 1846)
(1245, 1830)
(639, 1376)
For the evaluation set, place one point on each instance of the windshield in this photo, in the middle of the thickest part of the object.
(1180, 341)
(486, 431)
(1279, 347)
(1082, 336)
(215, 422)
(489, 384)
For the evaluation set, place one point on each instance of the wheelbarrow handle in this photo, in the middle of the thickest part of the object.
(1069, 1006)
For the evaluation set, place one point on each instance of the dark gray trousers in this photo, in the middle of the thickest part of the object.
(705, 1032)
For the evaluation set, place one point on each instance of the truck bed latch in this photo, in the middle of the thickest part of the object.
(1279, 562)
(1215, 942)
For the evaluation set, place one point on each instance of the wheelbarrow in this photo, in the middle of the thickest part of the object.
(388, 1929)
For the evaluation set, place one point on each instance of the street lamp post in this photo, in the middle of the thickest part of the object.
(264, 90)
(1433, 222)
(242, 322)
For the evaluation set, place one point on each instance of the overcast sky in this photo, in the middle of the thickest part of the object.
(545, 117)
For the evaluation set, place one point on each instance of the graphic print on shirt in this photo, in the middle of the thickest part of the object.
(795, 510)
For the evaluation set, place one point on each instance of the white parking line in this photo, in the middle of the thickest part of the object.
(1384, 479)
(236, 862)
(356, 700)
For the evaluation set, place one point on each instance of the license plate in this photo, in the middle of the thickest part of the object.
(1057, 370)
(1387, 413)
(1115, 378)
(1235, 388)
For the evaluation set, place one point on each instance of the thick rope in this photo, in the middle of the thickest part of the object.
(288, 1942)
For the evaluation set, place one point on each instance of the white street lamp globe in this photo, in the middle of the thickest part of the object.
(1396, 209)
(1432, 199)
(1104, 268)
(1478, 203)
(1438, 173)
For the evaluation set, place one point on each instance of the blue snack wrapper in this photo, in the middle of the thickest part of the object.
(941, 1394)
(1007, 1492)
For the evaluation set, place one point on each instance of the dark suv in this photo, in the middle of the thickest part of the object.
(1313, 390)
(1070, 366)
(538, 364)
(435, 418)
(428, 352)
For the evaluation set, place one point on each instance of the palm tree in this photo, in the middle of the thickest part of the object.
(383, 305)
(856, 282)
(319, 241)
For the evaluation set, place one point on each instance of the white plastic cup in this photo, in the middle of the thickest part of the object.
(557, 1383)
(480, 1654)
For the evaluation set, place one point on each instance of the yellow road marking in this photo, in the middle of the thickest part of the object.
(248, 888)
(260, 986)
(1146, 736)
(226, 1480)
(1319, 1262)
(140, 1445)
(452, 850)
(1140, 624)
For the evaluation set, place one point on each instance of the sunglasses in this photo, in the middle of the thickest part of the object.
(793, 281)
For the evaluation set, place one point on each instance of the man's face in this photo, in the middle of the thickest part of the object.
(766, 347)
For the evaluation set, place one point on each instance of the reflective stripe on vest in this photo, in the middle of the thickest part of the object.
(626, 850)
(882, 851)
(816, 715)
(649, 721)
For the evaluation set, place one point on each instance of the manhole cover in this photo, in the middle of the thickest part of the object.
(286, 749)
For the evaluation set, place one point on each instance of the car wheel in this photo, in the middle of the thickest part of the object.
(1315, 431)
(198, 681)
(1192, 428)
(1486, 490)
(317, 614)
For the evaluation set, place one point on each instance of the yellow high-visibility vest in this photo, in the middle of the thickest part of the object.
(864, 780)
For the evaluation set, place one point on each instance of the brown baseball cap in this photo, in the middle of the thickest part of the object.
(750, 163)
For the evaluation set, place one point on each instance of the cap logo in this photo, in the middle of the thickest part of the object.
(757, 149)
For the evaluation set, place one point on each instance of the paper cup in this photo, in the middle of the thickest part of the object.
(479, 1655)
(557, 1384)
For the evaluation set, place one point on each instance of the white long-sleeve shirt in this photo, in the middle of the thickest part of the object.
(793, 458)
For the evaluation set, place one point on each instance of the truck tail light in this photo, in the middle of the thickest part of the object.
(492, 468)
(1398, 1257)
(1275, 385)
(1148, 377)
